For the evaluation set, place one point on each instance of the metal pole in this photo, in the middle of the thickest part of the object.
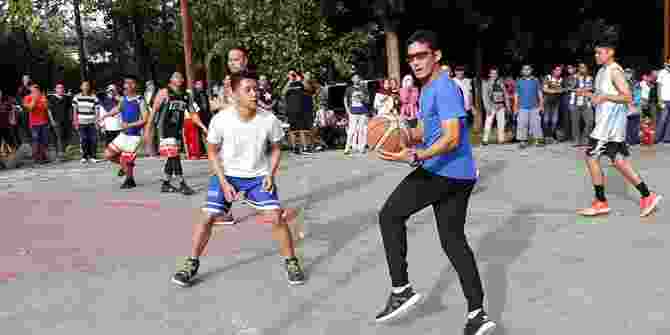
(187, 30)
(666, 30)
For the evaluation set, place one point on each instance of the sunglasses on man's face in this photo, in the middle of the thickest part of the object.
(419, 56)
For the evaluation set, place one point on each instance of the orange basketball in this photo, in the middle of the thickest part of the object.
(384, 133)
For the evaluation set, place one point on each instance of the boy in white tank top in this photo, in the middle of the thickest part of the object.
(610, 98)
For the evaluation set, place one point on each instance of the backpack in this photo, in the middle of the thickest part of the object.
(497, 92)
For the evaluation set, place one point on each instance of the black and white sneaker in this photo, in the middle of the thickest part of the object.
(166, 187)
(185, 189)
(184, 277)
(398, 303)
(479, 325)
(128, 183)
(294, 272)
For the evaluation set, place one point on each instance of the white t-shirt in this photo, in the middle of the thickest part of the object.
(244, 144)
(664, 80)
(466, 87)
(112, 123)
(645, 90)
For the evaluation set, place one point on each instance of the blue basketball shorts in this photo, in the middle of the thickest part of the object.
(254, 195)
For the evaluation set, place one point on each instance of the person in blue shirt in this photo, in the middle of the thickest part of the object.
(528, 102)
(123, 149)
(444, 177)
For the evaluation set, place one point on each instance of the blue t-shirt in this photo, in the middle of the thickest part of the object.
(528, 89)
(442, 100)
(130, 112)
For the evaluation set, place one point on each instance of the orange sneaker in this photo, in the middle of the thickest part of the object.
(597, 208)
(648, 204)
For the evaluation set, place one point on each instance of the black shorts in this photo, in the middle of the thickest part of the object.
(300, 122)
(613, 150)
(110, 135)
(413, 123)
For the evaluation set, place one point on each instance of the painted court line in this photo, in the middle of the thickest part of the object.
(132, 203)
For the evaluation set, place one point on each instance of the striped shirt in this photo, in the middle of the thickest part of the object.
(85, 106)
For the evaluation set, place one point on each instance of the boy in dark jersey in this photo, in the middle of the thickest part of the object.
(172, 104)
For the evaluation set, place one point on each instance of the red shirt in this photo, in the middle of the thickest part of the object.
(39, 114)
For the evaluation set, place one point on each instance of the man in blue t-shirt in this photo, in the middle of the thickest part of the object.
(444, 178)
(528, 102)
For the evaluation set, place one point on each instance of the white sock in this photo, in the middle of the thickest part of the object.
(398, 290)
(474, 313)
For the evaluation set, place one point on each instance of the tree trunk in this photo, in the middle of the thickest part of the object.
(392, 50)
(116, 37)
(666, 31)
(165, 33)
(477, 88)
(29, 51)
(83, 62)
(187, 28)
(138, 25)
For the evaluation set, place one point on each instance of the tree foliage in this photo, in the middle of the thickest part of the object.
(145, 36)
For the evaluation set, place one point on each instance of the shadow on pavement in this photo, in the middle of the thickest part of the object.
(488, 172)
(338, 233)
(215, 273)
(498, 250)
(328, 191)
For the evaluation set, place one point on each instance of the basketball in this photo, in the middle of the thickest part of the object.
(384, 133)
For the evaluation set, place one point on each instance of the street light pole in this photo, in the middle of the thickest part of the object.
(187, 30)
(666, 30)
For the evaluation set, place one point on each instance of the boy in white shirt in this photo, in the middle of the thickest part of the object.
(237, 144)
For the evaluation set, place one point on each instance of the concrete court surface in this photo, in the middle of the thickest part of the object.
(78, 255)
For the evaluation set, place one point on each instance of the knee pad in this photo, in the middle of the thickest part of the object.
(128, 158)
(169, 151)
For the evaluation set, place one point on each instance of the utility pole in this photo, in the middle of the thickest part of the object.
(187, 30)
(666, 31)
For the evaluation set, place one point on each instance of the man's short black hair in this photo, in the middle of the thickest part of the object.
(236, 78)
(425, 36)
(130, 76)
(607, 42)
(241, 49)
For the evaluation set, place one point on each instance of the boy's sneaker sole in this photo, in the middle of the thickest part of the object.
(406, 307)
(180, 283)
(296, 283)
(593, 212)
(486, 328)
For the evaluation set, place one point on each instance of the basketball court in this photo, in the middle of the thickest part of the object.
(78, 254)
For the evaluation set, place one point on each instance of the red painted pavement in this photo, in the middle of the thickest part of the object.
(46, 232)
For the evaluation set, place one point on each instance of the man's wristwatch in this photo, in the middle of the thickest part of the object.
(414, 158)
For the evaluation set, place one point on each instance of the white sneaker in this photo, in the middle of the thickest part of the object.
(92, 160)
(84, 161)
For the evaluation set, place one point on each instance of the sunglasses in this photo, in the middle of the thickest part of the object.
(420, 56)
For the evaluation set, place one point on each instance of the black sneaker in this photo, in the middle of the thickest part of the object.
(185, 189)
(398, 303)
(523, 145)
(294, 272)
(297, 151)
(479, 325)
(168, 188)
(307, 150)
(184, 277)
(128, 183)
